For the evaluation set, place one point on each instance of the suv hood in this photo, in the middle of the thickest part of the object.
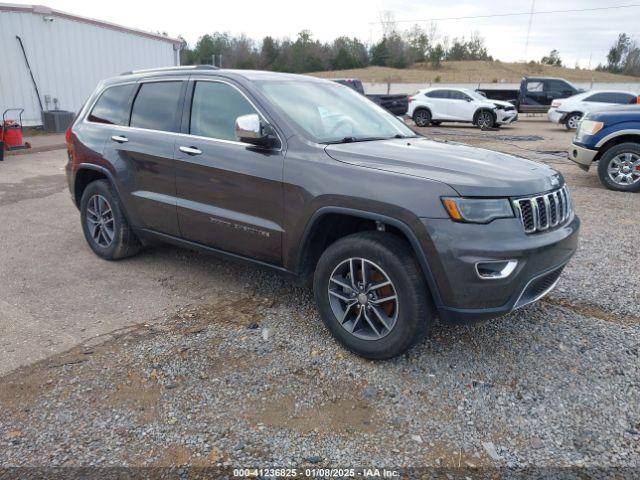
(473, 172)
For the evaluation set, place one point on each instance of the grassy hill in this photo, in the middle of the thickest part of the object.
(473, 72)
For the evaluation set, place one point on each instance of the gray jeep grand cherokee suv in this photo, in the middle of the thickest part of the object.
(310, 178)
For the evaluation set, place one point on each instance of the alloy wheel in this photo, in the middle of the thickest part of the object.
(363, 299)
(422, 119)
(100, 222)
(573, 121)
(484, 120)
(624, 169)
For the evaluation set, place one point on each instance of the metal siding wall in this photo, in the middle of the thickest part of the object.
(68, 58)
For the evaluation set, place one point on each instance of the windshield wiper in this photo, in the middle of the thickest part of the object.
(356, 139)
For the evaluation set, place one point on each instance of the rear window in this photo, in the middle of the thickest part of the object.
(112, 106)
(156, 105)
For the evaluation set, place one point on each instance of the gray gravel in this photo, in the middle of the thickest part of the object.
(248, 376)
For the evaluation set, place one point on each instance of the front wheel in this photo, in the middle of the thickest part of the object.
(485, 119)
(619, 167)
(371, 295)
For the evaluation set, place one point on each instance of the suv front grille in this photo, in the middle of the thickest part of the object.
(544, 212)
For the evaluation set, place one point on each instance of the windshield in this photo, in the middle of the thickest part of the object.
(331, 113)
(475, 95)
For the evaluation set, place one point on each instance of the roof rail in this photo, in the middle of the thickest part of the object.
(177, 68)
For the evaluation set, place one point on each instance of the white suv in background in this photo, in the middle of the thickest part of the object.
(432, 106)
(569, 111)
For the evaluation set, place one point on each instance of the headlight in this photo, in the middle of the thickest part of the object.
(477, 210)
(588, 127)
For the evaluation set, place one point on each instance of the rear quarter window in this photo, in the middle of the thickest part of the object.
(155, 106)
(112, 107)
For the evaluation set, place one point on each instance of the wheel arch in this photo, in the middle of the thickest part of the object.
(420, 108)
(86, 174)
(312, 243)
(628, 137)
(484, 109)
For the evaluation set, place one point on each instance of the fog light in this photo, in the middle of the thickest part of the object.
(495, 270)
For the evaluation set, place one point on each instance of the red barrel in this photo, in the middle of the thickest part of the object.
(11, 135)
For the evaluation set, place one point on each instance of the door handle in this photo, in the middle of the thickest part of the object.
(119, 138)
(190, 150)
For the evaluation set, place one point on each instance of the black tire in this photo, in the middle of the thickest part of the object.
(436, 123)
(572, 120)
(484, 119)
(422, 117)
(629, 152)
(413, 310)
(122, 242)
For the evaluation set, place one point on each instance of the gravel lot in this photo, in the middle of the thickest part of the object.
(201, 362)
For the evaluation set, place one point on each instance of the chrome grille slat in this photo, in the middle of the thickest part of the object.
(543, 212)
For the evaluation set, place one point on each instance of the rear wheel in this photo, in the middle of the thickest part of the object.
(105, 228)
(371, 295)
(422, 117)
(619, 167)
(572, 121)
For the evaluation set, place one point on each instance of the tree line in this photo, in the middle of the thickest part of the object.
(398, 49)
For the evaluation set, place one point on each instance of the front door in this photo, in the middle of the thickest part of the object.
(461, 107)
(229, 194)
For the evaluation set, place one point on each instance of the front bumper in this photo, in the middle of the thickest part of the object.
(582, 156)
(504, 117)
(459, 247)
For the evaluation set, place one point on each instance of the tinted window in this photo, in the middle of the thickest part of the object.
(624, 98)
(559, 86)
(215, 108)
(600, 97)
(535, 86)
(112, 105)
(156, 105)
(438, 94)
(455, 95)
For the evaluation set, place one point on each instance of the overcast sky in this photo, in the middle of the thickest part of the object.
(576, 35)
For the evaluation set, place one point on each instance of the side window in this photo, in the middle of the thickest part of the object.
(156, 105)
(600, 97)
(456, 95)
(214, 109)
(535, 86)
(436, 94)
(559, 86)
(624, 98)
(111, 107)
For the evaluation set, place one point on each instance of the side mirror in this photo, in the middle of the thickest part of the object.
(250, 129)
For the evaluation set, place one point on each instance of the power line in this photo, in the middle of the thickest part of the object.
(574, 10)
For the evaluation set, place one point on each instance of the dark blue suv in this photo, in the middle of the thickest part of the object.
(611, 137)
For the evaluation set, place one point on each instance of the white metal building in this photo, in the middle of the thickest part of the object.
(68, 56)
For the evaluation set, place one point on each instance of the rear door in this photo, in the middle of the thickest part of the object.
(143, 152)
(229, 193)
(438, 102)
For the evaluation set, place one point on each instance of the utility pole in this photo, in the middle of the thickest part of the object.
(526, 45)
